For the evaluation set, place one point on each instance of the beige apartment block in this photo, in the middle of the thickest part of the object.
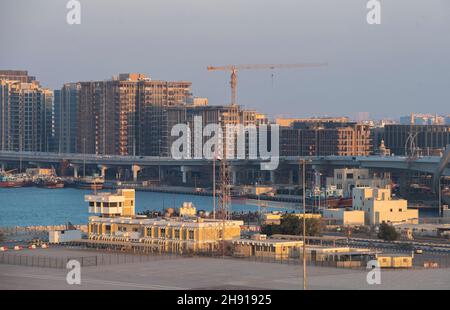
(379, 206)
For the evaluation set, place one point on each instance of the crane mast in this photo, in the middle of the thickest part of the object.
(235, 68)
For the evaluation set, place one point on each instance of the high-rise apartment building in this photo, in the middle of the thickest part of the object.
(66, 107)
(26, 115)
(160, 139)
(17, 75)
(118, 116)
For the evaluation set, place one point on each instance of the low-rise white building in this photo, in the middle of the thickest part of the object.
(379, 207)
(341, 216)
(61, 236)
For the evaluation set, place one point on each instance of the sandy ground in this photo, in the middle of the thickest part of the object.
(210, 273)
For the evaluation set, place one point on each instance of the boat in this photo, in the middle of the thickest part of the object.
(8, 181)
(50, 183)
(94, 183)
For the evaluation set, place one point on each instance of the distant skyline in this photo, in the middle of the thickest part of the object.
(387, 70)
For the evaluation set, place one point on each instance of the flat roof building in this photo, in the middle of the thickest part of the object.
(116, 224)
(379, 206)
(344, 217)
(346, 179)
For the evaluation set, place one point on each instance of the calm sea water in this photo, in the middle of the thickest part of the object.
(30, 206)
(38, 206)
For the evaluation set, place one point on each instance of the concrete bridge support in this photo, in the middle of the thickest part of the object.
(291, 177)
(103, 169)
(135, 169)
(272, 176)
(233, 175)
(76, 169)
(184, 172)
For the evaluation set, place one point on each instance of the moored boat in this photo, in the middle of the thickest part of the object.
(7, 181)
(94, 183)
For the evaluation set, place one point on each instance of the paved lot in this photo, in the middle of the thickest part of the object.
(213, 273)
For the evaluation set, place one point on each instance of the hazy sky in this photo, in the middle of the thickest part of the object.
(388, 70)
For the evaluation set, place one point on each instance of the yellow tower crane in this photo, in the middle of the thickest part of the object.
(235, 68)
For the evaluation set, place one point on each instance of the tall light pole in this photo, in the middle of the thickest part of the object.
(84, 157)
(440, 197)
(159, 162)
(304, 223)
(214, 186)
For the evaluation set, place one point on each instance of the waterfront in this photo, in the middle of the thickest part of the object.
(30, 206)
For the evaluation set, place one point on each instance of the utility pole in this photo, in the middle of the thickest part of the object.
(214, 186)
(440, 197)
(304, 224)
(84, 157)
(159, 162)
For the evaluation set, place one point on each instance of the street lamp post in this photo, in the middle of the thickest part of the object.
(84, 157)
(304, 224)
(440, 197)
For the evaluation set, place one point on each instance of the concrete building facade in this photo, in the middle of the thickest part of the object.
(26, 116)
(426, 139)
(118, 116)
(379, 207)
(66, 107)
(326, 138)
(344, 180)
(341, 216)
(115, 222)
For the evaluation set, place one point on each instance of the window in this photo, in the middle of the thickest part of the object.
(177, 234)
(191, 234)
